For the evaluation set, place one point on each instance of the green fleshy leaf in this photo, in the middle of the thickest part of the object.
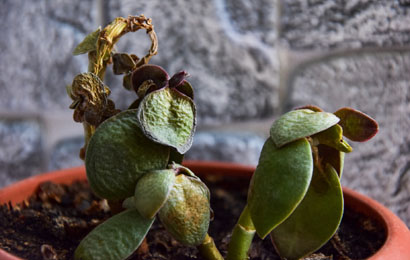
(129, 203)
(168, 117)
(300, 123)
(119, 154)
(116, 238)
(279, 184)
(335, 158)
(356, 125)
(186, 214)
(88, 44)
(152, 191)
(333, 137)
(315, 220)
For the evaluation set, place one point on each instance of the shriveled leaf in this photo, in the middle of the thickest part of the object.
(149, 72)
(279, 183)
(300, 123)
(357, 126)
(186, 213)
(88, 44)
(127, 81)
(168, 117)
(315, 220)
(116, 238)
(152, 191)
(119, 154)
(333, 137)
(177, 79)
(329, 155)
(122, 63)
(186, 88)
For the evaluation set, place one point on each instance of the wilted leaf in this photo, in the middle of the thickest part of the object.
(186, 213)
(152, 191)
(168, 117)
(300, 123)
(279, 184)
(186, 88)
(127, 81)
(149, 72)
(118, 154)
(333, 137)
(88, 44)
(315, 220)
(122, 63)
(91, 101)
(116, 238)
(357, 126)
(177, 79)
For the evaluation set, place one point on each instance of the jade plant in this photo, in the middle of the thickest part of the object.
(134, 157)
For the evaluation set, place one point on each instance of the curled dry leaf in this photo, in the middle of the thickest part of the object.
(91, 103)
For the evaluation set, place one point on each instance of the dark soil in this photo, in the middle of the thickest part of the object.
(53, 221)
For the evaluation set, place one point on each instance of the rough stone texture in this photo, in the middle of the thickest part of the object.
(21, 150)
(325, 24)
(379, 85)
(226, 46)
(239, 147)
(35, 48)
(65, 154)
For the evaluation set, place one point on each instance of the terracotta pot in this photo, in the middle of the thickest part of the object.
(395, 247)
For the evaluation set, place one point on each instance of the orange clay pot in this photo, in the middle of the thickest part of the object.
(396, 246)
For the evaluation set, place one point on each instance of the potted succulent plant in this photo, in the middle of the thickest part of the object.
(133, 158)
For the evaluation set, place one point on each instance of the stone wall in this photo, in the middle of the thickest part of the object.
(249, 61)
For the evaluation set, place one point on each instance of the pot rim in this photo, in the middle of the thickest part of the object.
(397, 233)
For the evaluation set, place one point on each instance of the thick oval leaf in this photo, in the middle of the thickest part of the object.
(279, 184)
(300, 123)
(118, 154)
(333, 137)
(356, 125)
(152, 191)
(315, 220)
(335, 158)
(116, 238)
(186, 213)
(149, 72)
(168, 117)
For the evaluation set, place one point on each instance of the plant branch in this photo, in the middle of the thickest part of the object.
(242, 237)
(208, 249)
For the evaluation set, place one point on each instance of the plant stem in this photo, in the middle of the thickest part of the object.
(242, 237)
(208, 249)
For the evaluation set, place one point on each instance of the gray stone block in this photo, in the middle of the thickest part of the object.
(227, 48)
(65, 154)
(238, 147)
(379, 85)
(324, 24)
(37, 40)
(21, 153)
